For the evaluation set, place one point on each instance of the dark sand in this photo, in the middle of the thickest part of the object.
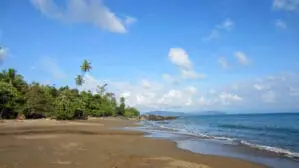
(92, 144)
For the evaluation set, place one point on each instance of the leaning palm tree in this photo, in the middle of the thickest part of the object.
(79, 80)
(11, 74)
(86, 66)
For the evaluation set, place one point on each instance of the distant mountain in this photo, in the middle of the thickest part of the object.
(208, 113)
(166, 113)
(172, 113)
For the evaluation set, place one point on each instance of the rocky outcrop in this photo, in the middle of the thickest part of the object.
(156, 117)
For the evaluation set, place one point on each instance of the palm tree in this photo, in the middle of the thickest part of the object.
(86, 66)
(101, 89)
(11, 74)
(79, 80)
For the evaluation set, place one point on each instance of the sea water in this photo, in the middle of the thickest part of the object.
(270, 139)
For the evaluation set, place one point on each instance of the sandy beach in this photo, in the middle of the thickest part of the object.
(92, 143)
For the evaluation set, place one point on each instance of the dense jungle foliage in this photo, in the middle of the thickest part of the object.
(18, 98)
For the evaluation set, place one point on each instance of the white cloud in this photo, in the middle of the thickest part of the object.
(51, 66)
(170, 98)
(242, 58)
(260, 87)
(227, 25)
(90, 83)
(191, 74)
(178, 98)
(140, 95)
(146, 84)
(280, 24)
(269, 96)
(235, 86)
(130, 20)
(287, 5)
(293, 91)
(276, 78)
(223, 62)
(3, 54)
(146, 99)
(46, 82)
(263, 93)
(180, 58)
(191, 89)
(189, 102)
(167, 77)
(215, 33)
(48, 8)
(212, 91)
(170, 79)
(228, 98)
(125, 94)
(276, 93)
(85, 11)
(173, 94)
(202, 101)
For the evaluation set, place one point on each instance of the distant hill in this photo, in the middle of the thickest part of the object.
(173, 113)
(166, 113)
(208, 113)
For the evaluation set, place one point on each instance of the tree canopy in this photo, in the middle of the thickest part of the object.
(35, 100)
(86, 66)
(79, 80)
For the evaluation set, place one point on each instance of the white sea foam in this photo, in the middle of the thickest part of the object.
(276, 150)
(194, 132)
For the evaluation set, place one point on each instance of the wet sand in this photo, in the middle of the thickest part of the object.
(92, 143)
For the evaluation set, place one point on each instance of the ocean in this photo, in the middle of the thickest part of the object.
(270, 139)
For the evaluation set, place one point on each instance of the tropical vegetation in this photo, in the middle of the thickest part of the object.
(34, 100)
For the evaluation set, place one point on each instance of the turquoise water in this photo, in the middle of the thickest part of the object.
(272, 139)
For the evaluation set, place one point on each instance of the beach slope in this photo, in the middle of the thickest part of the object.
(94, 144)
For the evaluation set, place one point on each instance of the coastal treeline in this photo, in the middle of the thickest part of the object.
(34, 100)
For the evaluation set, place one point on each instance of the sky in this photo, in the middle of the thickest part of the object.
(178, 55)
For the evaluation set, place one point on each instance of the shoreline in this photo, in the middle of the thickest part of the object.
(68, 142)
(219, 146)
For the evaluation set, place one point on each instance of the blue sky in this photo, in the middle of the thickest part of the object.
(161, 55)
